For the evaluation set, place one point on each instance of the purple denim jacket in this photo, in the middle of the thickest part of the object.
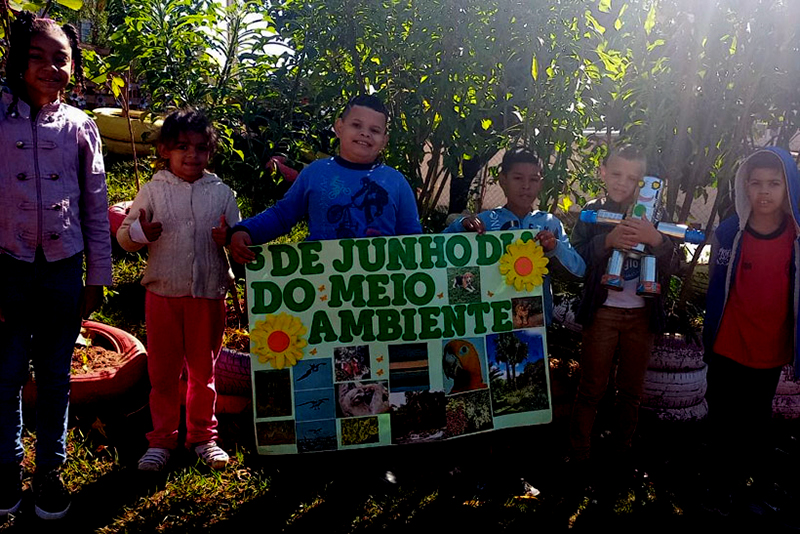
(53, 187)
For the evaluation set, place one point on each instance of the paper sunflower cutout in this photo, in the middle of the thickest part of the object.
(524, 265)
(278, 339)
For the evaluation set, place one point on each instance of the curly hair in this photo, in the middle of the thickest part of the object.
(22, 30)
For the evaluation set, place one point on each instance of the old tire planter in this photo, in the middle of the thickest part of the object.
(106, 385)
(786, 403)
(689, 414)
(113, 126)
(668, 389)
(231, 380)
(123, 148)
(117, 214)
(786, 407)
(674, 353)
(233, 373)
(564, 313)
(787, 386)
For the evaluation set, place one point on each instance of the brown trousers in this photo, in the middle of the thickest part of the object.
(613, 328)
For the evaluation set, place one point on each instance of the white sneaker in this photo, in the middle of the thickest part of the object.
(155, 459)
(212, 455)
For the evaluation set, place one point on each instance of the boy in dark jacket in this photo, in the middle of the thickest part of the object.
(616, 322)
(751, 319)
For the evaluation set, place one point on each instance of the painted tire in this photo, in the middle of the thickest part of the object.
(233, 404)
(117, 214)
(786, 407)
(564, 313)
(787, 386)
(114, 126)
(232, 373)
(699, 284)
(123, 148)
(681, 389)
(226, 403)
(675, 353)
(106, 385)
(688, 414)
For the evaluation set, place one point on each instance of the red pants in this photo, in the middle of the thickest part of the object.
(182, 330)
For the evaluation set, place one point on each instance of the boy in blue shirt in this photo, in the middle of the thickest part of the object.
(349, 195)
(521, 181)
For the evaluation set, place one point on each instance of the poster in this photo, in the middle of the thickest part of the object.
(393, 340)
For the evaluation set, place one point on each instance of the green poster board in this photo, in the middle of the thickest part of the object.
(384, 341)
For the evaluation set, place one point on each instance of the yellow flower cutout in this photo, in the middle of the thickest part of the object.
(524, 265)
(278, 339)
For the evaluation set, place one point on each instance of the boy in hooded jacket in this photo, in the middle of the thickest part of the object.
(751, 325)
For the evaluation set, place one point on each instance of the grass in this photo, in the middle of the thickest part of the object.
(466, 485)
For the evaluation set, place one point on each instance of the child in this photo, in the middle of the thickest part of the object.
(616, 322)
(54, 215)
(751, 314)
(521, 181)
(187, 277)
(350, 195)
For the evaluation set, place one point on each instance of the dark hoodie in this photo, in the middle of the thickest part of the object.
(589, 240)
(726, 251)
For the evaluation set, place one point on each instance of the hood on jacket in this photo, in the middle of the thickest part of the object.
(791, 175)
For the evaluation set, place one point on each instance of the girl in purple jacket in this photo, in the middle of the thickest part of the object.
(53, 216)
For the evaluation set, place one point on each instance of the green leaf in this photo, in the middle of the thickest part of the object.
(535, 68)
(72, 4)
(599, 28)
(117, 84)
(604, 6)
(650, 21)
(733, 46)
(486, 124)
(32, 6)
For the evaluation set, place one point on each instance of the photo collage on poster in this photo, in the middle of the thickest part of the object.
(366, 392)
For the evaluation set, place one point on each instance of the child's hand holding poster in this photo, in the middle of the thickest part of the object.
(379, 341)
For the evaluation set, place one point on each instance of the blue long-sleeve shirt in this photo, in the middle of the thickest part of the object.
(569, 261)
(341, 200)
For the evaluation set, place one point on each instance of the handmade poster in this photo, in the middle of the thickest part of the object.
(392, 340)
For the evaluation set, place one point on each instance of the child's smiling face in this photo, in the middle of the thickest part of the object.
(189, 156)
(362, 134)
(49, 67)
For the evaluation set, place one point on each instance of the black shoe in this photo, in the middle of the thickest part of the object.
(52, 497)
(10, 489)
